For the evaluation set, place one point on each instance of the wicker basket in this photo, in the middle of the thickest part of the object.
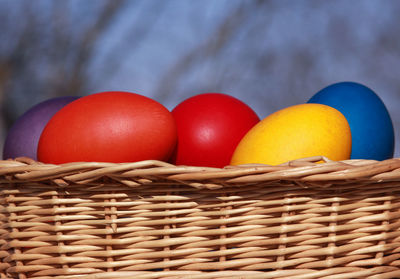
(155, 220)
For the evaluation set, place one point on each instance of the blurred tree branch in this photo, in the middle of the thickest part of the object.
(209, 48)
(216, 43)
(90, 37)
(48, 58)
(135, 38)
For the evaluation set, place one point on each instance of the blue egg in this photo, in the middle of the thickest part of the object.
(23, 137)
(370, 123)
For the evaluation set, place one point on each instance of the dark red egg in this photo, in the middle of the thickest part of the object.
(210, 126)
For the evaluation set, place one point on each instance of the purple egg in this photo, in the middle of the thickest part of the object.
(23, 137)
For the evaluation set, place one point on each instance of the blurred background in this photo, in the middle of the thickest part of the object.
(270, 54)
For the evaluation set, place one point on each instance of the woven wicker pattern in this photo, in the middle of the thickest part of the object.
(155, 220)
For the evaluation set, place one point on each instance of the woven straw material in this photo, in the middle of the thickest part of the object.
(150, 219)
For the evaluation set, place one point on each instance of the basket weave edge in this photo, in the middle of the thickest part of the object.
(306, 170)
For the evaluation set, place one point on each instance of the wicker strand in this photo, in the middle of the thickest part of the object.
(308, 218)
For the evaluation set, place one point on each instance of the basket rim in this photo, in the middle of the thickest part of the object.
(317, 171)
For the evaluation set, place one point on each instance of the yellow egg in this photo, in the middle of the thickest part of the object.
(295, 132)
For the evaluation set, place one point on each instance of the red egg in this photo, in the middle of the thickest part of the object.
(109, 127)
(210, 126)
